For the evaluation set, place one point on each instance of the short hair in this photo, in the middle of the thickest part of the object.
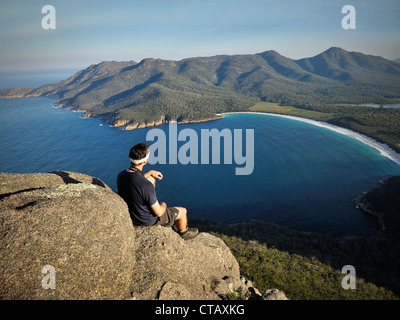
(138, 151)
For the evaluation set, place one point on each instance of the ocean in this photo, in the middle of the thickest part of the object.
(304, 176)
(33, 78)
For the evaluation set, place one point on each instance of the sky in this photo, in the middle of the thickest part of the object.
(91, 31)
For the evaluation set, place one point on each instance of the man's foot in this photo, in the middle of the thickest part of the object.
(189, 233)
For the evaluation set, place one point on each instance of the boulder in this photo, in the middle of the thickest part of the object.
(273, 294)
(170, 268)
(71, 222)
(66, 235)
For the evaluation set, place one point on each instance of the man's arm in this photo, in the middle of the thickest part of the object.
(159, 208)
(153, 173)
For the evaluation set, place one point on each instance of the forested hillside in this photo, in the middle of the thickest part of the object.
(332, 84)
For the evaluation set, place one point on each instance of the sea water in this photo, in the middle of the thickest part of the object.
(304, 177)
(33, 78)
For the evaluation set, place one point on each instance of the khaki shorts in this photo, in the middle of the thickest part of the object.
(168, 218)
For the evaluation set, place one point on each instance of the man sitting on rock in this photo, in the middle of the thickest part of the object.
(138, 191)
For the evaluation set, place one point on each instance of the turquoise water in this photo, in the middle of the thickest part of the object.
(304, 176)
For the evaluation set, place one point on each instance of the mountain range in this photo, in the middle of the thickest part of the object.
(154, 91)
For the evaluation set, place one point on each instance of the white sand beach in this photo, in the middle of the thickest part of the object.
(384, 149)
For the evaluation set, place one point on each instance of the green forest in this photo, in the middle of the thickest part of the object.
(308, 265)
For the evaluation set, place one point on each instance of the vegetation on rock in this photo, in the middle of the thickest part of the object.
(307, 266)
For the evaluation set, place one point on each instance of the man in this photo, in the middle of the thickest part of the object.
(138, 191)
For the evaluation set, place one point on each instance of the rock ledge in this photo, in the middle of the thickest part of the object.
(78, 225)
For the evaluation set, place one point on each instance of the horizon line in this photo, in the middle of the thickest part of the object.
(192, 57)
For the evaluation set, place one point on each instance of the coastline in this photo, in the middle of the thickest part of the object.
(383, 148)
(362, 203)
(217, 117)
(129, 125)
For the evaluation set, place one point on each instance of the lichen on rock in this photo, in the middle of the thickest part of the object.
(70, 190)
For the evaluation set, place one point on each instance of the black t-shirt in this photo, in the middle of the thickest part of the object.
(139, 193)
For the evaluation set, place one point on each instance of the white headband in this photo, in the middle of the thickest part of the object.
(136, 162)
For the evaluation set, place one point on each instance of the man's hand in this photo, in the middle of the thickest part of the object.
(153, 173)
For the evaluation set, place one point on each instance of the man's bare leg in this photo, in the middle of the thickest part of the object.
(181, 224)
(181, 219)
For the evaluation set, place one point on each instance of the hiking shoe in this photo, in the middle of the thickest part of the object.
(189, 233)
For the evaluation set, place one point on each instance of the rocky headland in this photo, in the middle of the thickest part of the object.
(383, 202)
(78, 226)
(361, 202)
